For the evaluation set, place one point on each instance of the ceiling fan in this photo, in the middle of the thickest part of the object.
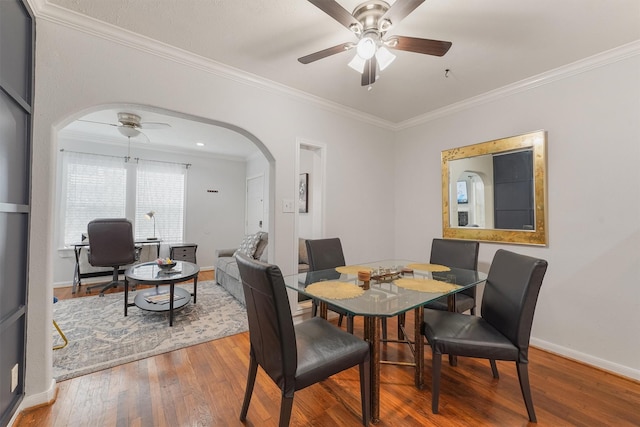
(370, 22)
(129, 124)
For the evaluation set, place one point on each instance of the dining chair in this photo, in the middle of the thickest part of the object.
(325, 254)
(294, 356)
(455, 254)
(110, 245)
(503, 330)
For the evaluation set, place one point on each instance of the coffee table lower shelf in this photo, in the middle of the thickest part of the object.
(181, 298)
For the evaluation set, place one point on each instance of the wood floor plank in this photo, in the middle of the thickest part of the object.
(204, 385)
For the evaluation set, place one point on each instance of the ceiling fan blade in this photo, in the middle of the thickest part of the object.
(399, 10)
(98, 123)
(154, 125)
(369, 73)
(337, 12)
(326, 52)
(413, 44)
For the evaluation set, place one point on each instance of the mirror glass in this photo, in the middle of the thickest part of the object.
(495, 191)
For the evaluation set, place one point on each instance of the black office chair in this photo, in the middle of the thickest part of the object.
(325, 254)
(294, 356)
(110, 245)
(455, 254)
(504, 328)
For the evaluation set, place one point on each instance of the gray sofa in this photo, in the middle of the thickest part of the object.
(227, 274)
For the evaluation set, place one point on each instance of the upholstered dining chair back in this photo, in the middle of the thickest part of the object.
(456, 254)
(297, 356)
(325, 253)
(110, 245)
(510, 297)
(503, 330)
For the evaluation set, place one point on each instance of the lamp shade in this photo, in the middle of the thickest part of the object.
(149, 214)
(128, 131)
(384, 57)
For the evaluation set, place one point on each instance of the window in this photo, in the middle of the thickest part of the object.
(160, 188)
(93, 187)
(96, 186)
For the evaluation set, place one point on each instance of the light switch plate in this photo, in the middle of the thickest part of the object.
(288, 205)
(14, 377)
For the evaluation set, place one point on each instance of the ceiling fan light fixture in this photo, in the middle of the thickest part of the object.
(357, 64)
(366, 47)
(128, 131)
(384, 57)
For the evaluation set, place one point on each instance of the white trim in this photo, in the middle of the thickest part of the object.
(569, 353)
(566, 71)
(47, 397)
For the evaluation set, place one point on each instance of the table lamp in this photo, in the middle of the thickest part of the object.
(152, 215)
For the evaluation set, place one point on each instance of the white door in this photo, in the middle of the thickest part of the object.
(255, 204)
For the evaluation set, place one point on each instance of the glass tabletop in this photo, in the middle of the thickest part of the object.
(150, 272)
(384, 298)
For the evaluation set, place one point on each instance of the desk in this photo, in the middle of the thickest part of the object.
(384, 300)
(150, 274)
(78, 276)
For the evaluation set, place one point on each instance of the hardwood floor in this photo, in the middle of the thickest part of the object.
(204, 385)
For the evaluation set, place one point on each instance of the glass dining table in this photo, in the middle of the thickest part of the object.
(392, 291)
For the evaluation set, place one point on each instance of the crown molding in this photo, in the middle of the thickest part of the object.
(582, 66)
(56, 14)
(67, 18)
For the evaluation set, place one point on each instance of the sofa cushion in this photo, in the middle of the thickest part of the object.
(249, 244)
(303, 257)
(262, 245)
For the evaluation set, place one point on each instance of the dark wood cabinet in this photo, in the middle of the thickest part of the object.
(183, 252)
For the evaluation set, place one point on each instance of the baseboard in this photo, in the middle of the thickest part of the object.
(606, 365)
(34, 401)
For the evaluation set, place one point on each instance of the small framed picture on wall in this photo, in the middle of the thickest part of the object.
(303, 193)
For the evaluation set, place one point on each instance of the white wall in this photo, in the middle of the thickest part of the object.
(77, 71)
(590, 298)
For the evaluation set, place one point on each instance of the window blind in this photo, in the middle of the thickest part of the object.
(160, 187)
(94, 187)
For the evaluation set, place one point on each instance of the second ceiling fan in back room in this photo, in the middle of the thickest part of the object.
(130, 125)
(370, 22)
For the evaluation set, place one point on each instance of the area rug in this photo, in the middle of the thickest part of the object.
(101, 337)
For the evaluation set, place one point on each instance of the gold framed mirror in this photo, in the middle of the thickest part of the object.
(496, 191)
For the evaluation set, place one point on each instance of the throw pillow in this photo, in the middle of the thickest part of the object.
(249, 244)
(262, 245)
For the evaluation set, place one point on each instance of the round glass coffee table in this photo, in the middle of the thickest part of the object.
(161, 298)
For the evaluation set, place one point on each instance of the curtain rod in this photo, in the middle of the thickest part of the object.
(127, 158)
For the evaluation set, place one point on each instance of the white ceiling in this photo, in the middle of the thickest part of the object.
(495, 43)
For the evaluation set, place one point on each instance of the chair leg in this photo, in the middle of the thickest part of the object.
(251, 380)
(62, 335)
(436, 362)
(365, 391)
(114, 283)
(494, 369)
(350, 324)
(340, 320)
(314, 308)
(523, 376)
(384, 328)
(286, 404)
(401, 322)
